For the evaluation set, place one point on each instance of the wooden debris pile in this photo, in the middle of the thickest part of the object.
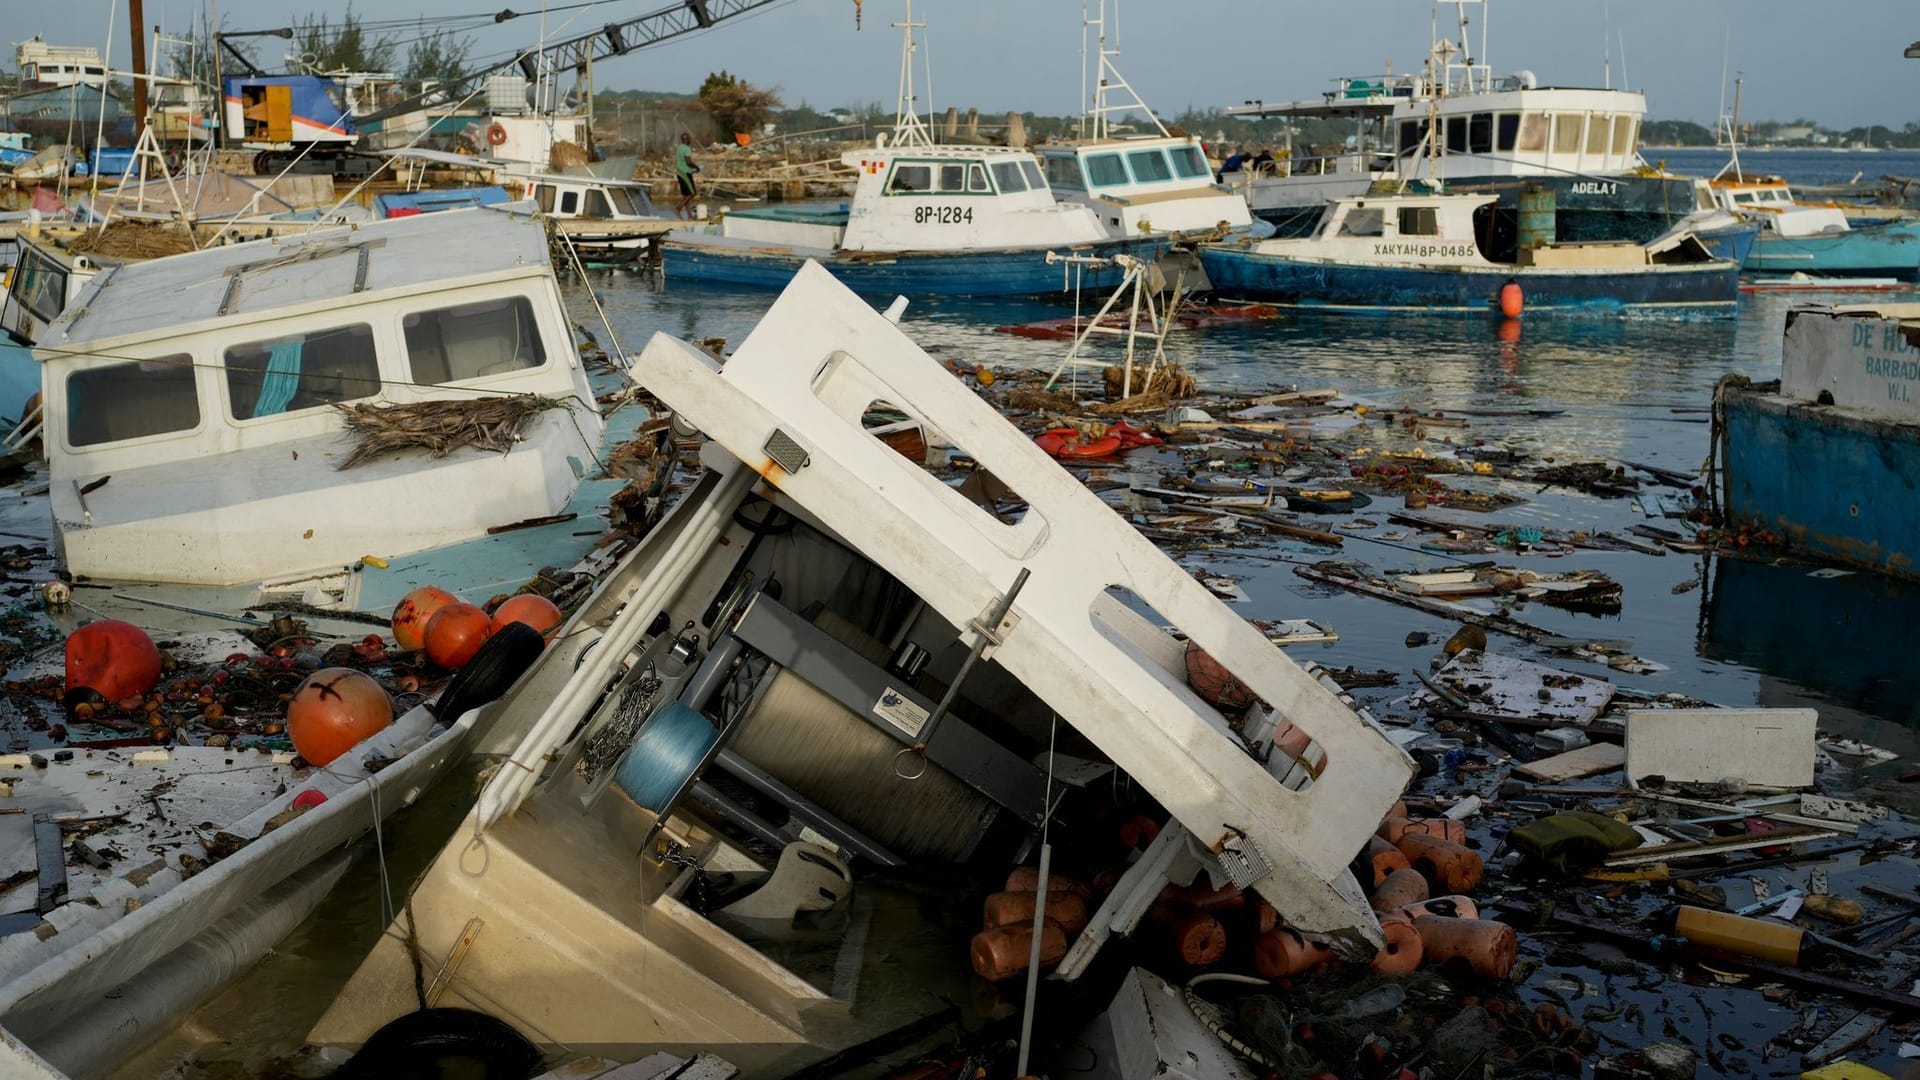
(441, 426)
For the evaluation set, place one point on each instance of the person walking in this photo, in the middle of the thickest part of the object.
(683, 169)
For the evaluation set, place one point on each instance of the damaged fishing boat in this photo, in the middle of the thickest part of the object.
(827, 676)
(196, 405)
(1445, 253)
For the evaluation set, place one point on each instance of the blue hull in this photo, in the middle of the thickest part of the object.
(1833, 485)
(1889, 249)
(1733, 243)
(976, 273)
(1248, 275)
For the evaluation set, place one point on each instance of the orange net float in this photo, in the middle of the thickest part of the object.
(1486, 948)
(1444, 907)
(1283, 953)
(1001, 953)
(412, 613)
(112, 659)
(333, 711)
(1393, 829)
(1449, 867)
(1403, 949)
(1008, 908)
(1401, 888)
(542, 614)
(1197, 938)
(455, 633)
(1384, 859)
(1026, 879)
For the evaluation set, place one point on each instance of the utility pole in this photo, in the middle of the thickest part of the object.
(138, 22)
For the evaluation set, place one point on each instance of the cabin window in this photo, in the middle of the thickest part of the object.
(1533, 133)
(1598, 130)
(1412, 133)
(569, 203)
(910, 179)
(1031, 169)
(1743, 196)
(1506, 130)
(597, 205)
(1566, 132)
(40, 284)
(130, 401)
(1189, 162)
(1150, 166)
(1623, 135)
(1064, 172)
(977, 180)
(1105, 170)
(473, 341)
(1480, 133)
(543, 197)
(629, 202)
(1419, 221)
(267, 378)
(1362, 221)
(1007, 175)
(1456, 134)
(953, 177)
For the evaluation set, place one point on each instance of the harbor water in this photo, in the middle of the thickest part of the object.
(1738, 633)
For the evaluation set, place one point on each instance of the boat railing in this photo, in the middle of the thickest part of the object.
(1364, 87)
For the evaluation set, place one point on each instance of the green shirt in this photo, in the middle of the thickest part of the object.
(683, 160)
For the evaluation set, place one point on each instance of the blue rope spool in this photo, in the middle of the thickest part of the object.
(664, 754)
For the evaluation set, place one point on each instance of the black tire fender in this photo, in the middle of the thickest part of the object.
(421, 1045)
(503, 659)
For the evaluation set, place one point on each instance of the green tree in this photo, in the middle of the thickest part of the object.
(440, 56)
(347, 47)
(735, 105)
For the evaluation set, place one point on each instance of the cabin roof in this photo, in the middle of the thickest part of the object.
(162, 297)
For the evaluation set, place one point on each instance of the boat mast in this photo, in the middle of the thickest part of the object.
(907, 127)
(1108, 78)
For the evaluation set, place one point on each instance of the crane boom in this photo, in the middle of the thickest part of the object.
(621, 38)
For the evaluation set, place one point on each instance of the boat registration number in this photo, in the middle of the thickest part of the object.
(943, 215)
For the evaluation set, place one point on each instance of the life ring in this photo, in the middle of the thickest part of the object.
(496, 135)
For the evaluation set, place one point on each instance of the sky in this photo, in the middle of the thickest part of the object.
(1839, 65)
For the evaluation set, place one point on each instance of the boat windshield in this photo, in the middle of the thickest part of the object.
(629, 202)
(40, 285)
(116, 402)
(491, 337)
(1007, 174)
(1190, 163)
(1031, 168)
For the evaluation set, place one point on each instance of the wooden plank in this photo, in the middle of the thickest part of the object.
(1719, 846)
(1590, 760)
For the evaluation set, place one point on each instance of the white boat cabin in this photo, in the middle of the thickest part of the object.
(43, 65)
(191, 435)
(1769, 200)
(930, 198)
(589, 198)
(45, 278)
(1154, 184)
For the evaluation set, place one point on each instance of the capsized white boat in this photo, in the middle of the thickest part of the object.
(779, 691)
(196, 429)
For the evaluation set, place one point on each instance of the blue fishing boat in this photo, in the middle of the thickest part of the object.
(1430, 252)
(924, 220)
(1822, 460)
(1812, 238)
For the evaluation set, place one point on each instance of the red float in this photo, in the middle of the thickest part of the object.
(111, 658)
(536, 611)
(455, 633)
(415, 610)
(333, 710)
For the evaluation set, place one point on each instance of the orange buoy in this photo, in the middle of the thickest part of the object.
(110, 658)
(1482, 946)
(1001, 953)
(412, 613)
(1214, 683)
(1027, 879)
(1403, 950)
(1385, 859)
(1392, 829)
(1448, 867)
(333, 710)
(1198, 938)
(455, 633)
(1282, 953)
(1445, 907)
(1511, 300)
(1402, 887)
(532, 609)
(1007, 908)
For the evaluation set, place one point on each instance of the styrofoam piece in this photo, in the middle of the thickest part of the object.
(1764, 747)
